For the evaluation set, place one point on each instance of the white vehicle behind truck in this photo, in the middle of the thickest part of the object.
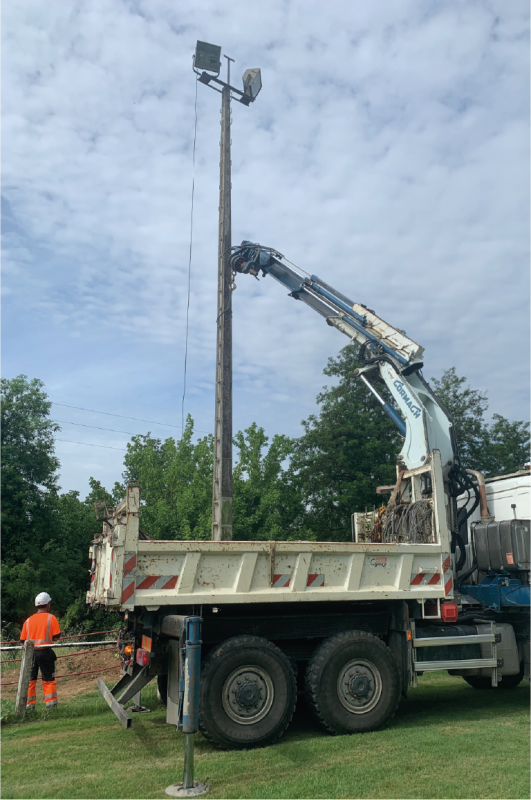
(425, 583)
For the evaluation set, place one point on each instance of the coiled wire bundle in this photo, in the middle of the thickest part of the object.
(409, 522)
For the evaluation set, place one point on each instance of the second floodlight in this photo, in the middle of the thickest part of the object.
(252, 83)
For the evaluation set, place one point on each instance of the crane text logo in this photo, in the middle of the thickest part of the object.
(415, 410)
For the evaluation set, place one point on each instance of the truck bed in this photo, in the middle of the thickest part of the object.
(129, 571)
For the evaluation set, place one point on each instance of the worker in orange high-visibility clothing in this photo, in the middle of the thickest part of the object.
(43, 629)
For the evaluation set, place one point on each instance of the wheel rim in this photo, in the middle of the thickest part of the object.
(248, 694)
(359, 686)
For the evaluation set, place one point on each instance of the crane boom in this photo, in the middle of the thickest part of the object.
(389, 355)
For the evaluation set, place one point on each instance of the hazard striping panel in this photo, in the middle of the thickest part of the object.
(448, 579)
(426, 579)
(315, 581)
(282, 580)
(156, 582)
(129, 578)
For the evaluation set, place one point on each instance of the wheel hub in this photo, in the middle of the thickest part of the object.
(359, 686)
(248, 694)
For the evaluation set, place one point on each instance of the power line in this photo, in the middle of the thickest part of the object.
(122, 416)
(88, 444)
(97, 427)
(189, 261)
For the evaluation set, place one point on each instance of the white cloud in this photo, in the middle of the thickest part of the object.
(387, 153)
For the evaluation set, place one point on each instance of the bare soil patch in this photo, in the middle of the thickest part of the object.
(70, 687)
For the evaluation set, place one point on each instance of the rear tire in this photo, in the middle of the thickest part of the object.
(248, 693)
(353, 683)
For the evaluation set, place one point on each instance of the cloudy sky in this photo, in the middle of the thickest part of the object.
(387, 153)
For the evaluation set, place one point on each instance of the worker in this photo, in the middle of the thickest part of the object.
(43, 629)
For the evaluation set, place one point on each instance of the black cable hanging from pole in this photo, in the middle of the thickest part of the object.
(189, 263)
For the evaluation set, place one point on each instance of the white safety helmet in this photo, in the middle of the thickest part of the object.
(43, 599)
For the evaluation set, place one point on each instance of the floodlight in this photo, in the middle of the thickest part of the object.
(252, 83)
(207, 56)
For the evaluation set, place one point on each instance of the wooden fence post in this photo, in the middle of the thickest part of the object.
(24, 678)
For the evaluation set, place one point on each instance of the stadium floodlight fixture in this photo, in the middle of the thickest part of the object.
(208, 57)
(252, 83)
(207, 60)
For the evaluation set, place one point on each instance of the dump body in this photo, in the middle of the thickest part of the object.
(129, 570)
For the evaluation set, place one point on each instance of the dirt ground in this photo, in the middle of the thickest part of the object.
(70, 687)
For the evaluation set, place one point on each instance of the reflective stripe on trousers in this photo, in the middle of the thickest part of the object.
(32, 694)
(50, 693)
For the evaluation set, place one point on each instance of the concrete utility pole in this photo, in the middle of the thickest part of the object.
(207, 56)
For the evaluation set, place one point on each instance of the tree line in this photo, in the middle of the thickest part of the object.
(302, 488)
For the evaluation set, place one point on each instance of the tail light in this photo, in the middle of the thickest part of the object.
(142, 657)
(128, 649)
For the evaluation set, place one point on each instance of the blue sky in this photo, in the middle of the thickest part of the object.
(388, 153)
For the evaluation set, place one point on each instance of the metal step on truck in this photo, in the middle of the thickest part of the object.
(436, 578)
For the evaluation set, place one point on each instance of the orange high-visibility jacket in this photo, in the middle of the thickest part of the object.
(41, 628)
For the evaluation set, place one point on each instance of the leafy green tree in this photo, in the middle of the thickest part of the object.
(467, 408)
(346, 451)
(267, 500)
(176, 484)
(29, 466)
(506, 446)
(496, 448)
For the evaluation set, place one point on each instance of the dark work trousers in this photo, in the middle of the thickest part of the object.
(44, 660)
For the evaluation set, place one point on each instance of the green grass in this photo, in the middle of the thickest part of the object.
(446, 741)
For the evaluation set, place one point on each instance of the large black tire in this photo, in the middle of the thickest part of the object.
(353, 683)
(507, 681)
(248, 693)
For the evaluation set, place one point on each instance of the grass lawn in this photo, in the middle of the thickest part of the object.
(446, 741)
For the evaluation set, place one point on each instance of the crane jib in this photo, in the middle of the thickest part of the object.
(337, 301)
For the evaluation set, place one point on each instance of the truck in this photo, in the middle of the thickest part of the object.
(438, 577)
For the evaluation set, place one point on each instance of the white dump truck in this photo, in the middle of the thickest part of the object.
(438, 578)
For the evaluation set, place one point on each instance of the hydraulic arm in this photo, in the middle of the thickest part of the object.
(388, 354)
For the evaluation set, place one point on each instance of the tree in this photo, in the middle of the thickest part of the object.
(176, 484)
(267, 501)
(345, 452)
(28, 476)
(467, 408)
(506, 446)
(497, 448)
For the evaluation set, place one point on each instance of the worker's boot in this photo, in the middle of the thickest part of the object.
(32, 695)
(50, 693)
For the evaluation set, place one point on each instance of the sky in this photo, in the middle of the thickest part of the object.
(387, 153)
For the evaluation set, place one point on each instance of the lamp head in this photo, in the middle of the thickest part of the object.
(252, 83)
(207, 57)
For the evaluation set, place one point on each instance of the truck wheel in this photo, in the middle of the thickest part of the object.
(353, 683)
(248, 693)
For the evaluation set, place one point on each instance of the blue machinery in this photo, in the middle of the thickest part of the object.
(499, 593)
(188, 630)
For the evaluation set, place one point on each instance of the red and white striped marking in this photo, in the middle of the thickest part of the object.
(426, 579)
(448, 579)
(156, 582)
(314, 580)
(129, 579)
